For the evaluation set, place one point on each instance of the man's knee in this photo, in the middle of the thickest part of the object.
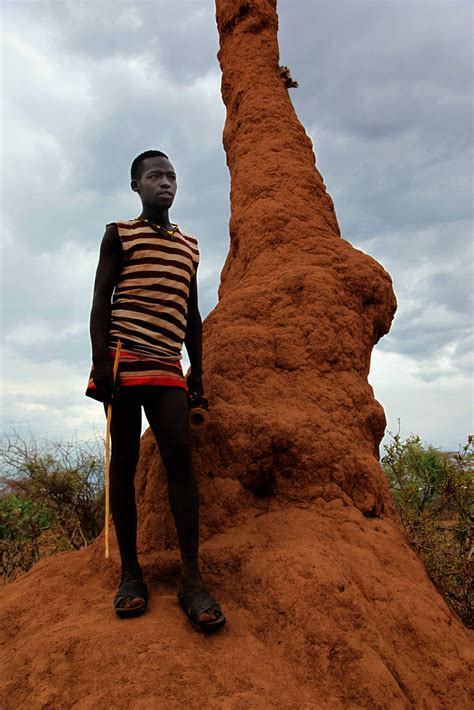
(125, 458)
(175, 448)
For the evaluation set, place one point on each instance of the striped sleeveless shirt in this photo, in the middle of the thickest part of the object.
(150, 300)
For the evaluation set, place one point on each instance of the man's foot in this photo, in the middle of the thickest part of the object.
(185, 598)
(130, 573)
(131, 598)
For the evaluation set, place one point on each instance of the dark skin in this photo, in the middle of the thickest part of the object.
(166, 408)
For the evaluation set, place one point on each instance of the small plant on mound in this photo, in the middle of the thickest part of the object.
(51, 498)
(434, 494)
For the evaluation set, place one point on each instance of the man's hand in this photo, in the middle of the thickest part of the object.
(195, 386)
(103, 376)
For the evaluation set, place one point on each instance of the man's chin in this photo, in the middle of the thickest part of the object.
(163, 203)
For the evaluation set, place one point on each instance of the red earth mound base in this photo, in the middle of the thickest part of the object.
(325, 609)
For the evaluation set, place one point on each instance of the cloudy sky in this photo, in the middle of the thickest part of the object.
(385, 94)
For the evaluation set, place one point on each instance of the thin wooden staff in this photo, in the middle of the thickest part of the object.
(107, 455)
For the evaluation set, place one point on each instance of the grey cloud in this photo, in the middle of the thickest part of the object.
(180, 36)
(388, 108)
(371, 65)
(389, 114)
(417, 339)
(454, 290)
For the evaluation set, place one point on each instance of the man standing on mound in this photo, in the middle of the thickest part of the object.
(145, 294)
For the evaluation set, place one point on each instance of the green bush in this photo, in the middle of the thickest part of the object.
(22, 523)
(51, 498)
(434, 494)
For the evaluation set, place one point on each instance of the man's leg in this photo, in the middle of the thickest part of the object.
(125, 430)
(166, 409)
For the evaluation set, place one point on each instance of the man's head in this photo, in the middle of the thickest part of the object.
(154, 179)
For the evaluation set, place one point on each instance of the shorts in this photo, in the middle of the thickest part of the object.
(135, 370)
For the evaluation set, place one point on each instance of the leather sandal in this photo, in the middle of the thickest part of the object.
(134, 588)
(196, 603)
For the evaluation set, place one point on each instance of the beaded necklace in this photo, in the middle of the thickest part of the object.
(170, 232)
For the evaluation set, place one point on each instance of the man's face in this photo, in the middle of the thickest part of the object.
(157, 183)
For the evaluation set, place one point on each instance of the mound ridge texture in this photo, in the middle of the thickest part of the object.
(327, 604)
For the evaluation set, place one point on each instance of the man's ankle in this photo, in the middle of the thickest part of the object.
(191, 577)
(131, 571)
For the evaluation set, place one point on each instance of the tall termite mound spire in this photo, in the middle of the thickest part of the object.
(300, 309)
(287, 348)
(270, 157)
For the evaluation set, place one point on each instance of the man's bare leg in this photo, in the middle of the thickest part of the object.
(125, 433)
(166, 409)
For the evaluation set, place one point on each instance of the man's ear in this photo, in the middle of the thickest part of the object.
(134, 185)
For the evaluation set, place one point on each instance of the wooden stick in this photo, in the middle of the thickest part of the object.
(107, 455)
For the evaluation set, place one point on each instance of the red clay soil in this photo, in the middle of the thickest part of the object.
(325, 608)
(327, 604)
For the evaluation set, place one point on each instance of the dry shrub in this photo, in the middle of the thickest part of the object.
(51, 498)
(433, 491)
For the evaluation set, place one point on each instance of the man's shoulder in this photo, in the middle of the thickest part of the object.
(124, 223)
(189, 237)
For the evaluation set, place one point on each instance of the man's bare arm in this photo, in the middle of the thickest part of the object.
(107, 273)
(193, 336)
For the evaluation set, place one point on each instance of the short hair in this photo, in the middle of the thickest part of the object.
(135, 168)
